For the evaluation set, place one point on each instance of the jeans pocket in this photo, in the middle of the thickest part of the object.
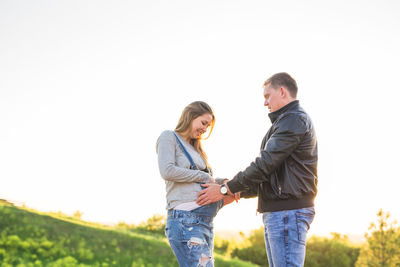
(190, 221)
(303, 221)
(172, 230)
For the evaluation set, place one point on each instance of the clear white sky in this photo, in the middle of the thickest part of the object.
(86, 87)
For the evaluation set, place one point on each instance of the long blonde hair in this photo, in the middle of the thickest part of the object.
(189, 113)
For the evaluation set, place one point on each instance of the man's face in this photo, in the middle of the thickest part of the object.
(273, 98)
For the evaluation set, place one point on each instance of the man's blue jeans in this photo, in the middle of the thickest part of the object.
(285, 236)
(190, 235)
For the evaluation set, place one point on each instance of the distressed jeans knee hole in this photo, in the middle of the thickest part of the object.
(195, 241)
(204, 260)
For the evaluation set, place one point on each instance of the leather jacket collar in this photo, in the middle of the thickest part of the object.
(274, 115)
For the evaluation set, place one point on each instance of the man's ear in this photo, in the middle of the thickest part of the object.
(283, 92)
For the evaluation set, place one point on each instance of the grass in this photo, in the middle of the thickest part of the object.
(30, 238)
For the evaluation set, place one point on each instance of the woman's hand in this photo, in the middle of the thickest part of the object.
(230, 198)
(237, 196)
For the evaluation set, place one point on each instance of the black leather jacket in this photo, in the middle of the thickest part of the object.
(284, 176)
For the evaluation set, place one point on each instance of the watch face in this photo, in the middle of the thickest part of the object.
(223, 190)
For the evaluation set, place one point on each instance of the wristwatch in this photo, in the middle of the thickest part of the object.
(223, 190)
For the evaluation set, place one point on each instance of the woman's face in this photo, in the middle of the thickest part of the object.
(200, 125)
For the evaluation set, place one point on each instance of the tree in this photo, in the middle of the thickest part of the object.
(253, 249)
(382, 248)
(155, 224)
(78, 215)
(334, 252)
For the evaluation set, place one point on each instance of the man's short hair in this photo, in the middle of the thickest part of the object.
(283, 79)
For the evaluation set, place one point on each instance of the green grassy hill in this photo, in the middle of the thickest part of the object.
(29, 238)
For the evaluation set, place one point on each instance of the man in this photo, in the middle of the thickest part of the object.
(283, 176)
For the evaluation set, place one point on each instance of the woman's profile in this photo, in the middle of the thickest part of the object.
(184, 167)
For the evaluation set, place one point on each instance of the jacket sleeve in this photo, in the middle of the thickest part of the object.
(166, 150)
(287, 135)
(250, 191)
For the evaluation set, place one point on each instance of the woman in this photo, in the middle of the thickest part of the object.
(183, 165)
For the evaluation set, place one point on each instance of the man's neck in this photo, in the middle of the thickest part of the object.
(288, 101)
(274, 115)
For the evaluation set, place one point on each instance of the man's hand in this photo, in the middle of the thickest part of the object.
(209, 195)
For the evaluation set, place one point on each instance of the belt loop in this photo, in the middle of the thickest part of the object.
(171, 213)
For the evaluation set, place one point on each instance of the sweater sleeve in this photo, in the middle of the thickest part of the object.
(166, 150)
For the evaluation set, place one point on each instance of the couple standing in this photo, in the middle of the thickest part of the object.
(283, 177)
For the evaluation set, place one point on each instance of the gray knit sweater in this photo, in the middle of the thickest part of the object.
(182, 183)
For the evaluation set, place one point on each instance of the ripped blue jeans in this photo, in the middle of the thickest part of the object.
(190, 235)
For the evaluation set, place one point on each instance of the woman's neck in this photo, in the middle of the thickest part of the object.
(185, 137)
